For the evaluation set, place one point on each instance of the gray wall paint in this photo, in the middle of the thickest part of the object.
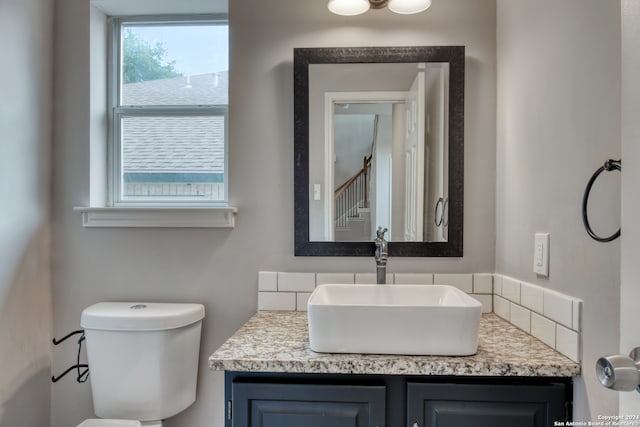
(558, 121)
(25, 144)
(630, 269)
(264, 36)
(219, 267)
(559, 106)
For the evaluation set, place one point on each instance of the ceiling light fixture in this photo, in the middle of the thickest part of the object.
(356, 7)
(348, 7)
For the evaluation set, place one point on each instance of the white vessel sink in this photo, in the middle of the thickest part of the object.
(393, 319)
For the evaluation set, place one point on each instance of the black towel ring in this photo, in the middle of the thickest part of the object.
(609, 165)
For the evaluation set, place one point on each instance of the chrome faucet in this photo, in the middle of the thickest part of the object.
(381, 256)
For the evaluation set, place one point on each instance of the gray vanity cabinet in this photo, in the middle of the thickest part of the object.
(455, 405)
(290, 405)
(330, 400)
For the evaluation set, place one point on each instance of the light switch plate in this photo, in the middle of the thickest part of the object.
(541, 254)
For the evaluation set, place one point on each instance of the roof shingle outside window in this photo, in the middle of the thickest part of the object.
(203, 89)
(160, 144)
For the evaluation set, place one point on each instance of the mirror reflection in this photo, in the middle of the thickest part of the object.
(378, 151)
(379, 141)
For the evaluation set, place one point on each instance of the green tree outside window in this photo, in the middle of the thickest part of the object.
(143, 62)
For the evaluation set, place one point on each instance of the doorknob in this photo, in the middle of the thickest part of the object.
(619, 372)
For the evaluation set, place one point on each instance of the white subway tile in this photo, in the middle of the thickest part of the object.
(543, 329)
(531, 296)
(267, 281)
(497, 284)
(413, 279)
(521, 317)
(511, 289)
(576, 323)
(486, 301)
(558, 307)
(285, 301)
(483, 283)
(463, 282)
(301, 300)
(370, 278)
(501, 307)
(296, 282)
(335, 278)
(365, 278)
(567, 343)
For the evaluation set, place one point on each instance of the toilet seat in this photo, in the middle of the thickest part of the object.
(109, 423)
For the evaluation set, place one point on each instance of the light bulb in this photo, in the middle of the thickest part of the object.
(348, 7)
(408, 6)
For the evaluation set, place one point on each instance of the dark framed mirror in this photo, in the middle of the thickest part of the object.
(379, 140)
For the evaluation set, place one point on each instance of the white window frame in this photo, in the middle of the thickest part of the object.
(101, 212)
(117, 113)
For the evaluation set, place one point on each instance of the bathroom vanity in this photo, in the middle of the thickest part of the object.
(273, 378)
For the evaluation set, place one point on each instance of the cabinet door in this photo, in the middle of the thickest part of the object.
(459, 405)
(284, 405)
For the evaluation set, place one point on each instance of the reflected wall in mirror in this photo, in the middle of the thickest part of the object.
(378, 151)
(379, 141)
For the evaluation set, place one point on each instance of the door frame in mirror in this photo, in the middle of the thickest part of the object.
(302, 58)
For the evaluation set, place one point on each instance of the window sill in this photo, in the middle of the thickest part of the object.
(150, 217)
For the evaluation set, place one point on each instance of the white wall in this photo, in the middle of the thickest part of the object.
(630, 246)
(558, 120)
(25, 143)
(219, 267)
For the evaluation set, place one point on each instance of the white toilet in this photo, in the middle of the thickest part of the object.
(143, 361)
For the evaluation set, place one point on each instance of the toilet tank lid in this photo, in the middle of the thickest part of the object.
(109, 423)
(140, 316)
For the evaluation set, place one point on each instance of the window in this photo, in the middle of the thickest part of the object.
(169, 107)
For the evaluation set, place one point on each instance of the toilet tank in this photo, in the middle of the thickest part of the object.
(143, 358)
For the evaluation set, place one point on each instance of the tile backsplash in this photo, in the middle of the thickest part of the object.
(550, 316)
(290, 291)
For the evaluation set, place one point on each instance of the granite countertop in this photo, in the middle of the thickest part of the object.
(278, 341)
